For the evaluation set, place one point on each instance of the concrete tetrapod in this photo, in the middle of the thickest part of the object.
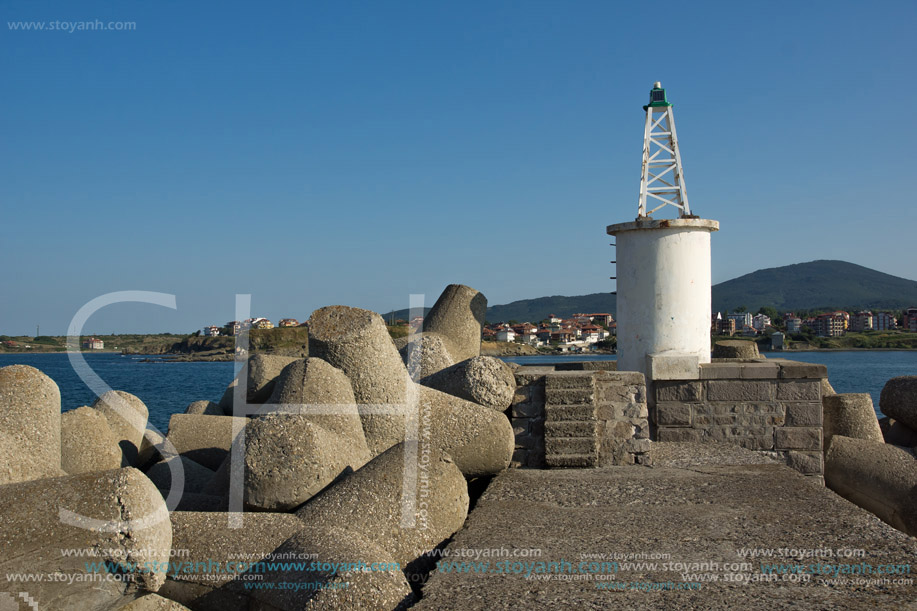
(194, 475)
(357, 342)
(321, 392)
(262, 370)
(204, 439)
(876, 476)
(373, 501)
(205, 408)
(899, 400)
(484, 380)
(480, 440)
(127, 416)
(30, 425)
(347, 571)
(214, 554)
(897, 433)
(459, 316)
(87, 442)
(424, 355)
(850, 415)
(117, 513)
(288, 459)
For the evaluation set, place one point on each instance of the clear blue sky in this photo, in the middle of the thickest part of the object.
(354, 153)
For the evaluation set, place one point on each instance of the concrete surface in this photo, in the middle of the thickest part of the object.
(700, 503)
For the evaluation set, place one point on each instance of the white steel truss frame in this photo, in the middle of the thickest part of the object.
(660, 158)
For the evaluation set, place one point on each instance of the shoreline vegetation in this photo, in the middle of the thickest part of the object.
(294, 341)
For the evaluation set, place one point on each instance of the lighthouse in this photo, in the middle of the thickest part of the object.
(663, 262)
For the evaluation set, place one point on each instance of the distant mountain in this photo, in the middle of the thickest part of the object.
(817, 284)
(803, 286)
(534, 310)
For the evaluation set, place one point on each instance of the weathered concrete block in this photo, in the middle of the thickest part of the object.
(850, 415)
(205, 408)
(756, 442)
(289, 458)
(797, 370)
(127, 416)
(194, 477)
(898, 400)
(799, 390)
(484, 380)
(214, 555)
(371, 501)
(720, 371)
(350, 586)
(566, 396)
(323, 395)
(760, 371)
(480, 440)
(87, 442)
(571, 461)
(897, 434)
(679, 391)
(458, 315)
(678, 435)
(529, 409)
(673, 414)
(586, 428)
(261, 372)
(798, 438)
(876, 476)
(118, 513)
(740, 390)
(570, 445)
(672, 366)
(735, 349)
(808, 463)
(586, 411)
(426, 356)
(30, 425)
(804, 414)
(357, 342)
(571, 380)
(204, 439)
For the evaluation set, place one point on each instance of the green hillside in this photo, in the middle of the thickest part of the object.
(534, 310)
(803, 286)
(814, 285)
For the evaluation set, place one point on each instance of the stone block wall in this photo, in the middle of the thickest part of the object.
(773, 406)
(579, 418)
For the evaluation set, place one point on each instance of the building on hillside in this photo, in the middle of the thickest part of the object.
(742, 319)
(211, 331)
(233, 326)
(861, 321)
(884, 321)
(833, 324)
(590, 334)
(726, 326)
(777, 341)
(910, 320)
(506, 335)
(93, 343)
(262, 323)
(554, 319)
(288, 322)
(793, 324)
(760, 322)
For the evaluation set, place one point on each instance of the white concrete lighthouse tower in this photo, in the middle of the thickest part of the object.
(663, 265)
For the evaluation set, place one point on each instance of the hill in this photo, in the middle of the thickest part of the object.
(816, 285)
(803, 286)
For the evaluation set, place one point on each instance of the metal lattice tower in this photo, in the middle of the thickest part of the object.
(663, 179)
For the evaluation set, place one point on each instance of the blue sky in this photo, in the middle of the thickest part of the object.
(355, 153)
